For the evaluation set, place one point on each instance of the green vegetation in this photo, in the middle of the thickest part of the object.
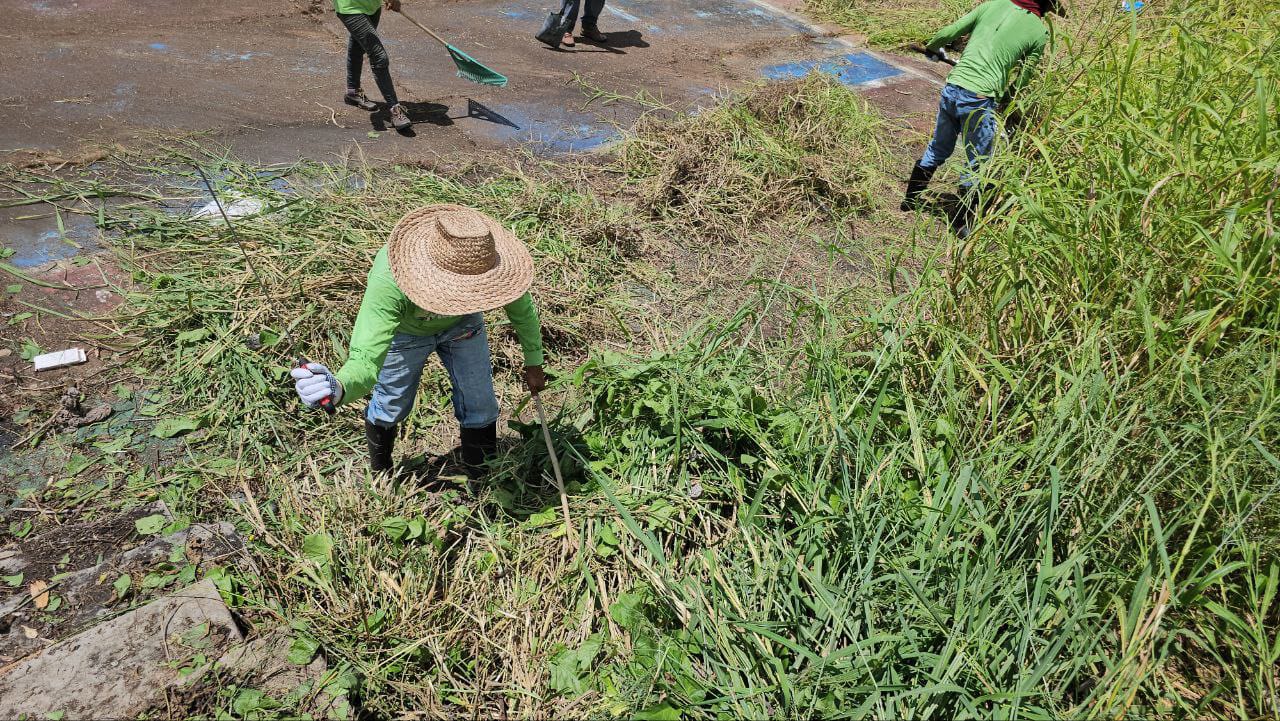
(1039, 483)
(890, 23)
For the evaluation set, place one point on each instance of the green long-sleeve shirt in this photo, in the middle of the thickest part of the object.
(357, 7)
(386, 311)
(1001, 35)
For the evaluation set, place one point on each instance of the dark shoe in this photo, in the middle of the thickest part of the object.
(567, 40)
(973, 204)
(399, 118)
(478, 446)
(920, 177)
(592, 33)
(357, 98)
(381, 441)
(966, 213)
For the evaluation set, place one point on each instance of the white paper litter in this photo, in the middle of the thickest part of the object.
(235, 208)
(68, 357)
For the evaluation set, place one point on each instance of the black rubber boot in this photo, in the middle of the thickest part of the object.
(478, 446)
(973, 203)
(920, 177)
(381, 442)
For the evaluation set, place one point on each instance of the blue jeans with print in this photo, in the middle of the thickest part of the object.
(962, 110)
(464, 350)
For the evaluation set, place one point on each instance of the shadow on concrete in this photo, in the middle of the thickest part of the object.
(480, 111)
(431, 113)
(622, 39)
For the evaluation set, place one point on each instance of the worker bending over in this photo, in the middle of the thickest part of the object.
(442, 267)
(1002, 35)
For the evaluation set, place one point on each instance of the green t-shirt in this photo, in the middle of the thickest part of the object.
(386, 311)
(357, 7)
(1001, 35)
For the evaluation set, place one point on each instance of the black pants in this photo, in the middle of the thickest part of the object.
(591, 12)
(364, 41)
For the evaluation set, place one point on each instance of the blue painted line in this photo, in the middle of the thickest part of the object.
(850, 69)
(621, 13)
(158, 46)
(522, 14)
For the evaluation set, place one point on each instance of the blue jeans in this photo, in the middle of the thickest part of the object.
(590, 12)
(464, 350)
(962, 110)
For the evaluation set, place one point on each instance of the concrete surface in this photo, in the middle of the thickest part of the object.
(123, 667)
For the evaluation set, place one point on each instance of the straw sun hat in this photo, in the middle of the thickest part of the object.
(452, 260)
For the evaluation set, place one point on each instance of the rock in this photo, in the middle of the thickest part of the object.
(263, 664)
(126, 666)
(82, 561)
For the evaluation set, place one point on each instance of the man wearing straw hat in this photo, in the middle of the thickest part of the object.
(443, 266)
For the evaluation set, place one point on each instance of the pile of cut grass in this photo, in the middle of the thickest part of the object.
(890, 23)
(784, 155)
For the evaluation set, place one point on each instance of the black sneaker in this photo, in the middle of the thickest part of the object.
(360, 100)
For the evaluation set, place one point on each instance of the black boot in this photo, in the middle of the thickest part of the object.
(920, 177)
(973, 203)
(381, 441)
(478, 446)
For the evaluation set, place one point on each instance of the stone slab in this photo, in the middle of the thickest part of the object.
(123, 667)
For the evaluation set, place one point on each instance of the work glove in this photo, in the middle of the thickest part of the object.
(535, 379)
(314, 383)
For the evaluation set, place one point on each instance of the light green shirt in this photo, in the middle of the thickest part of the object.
(357, 7)
(386, 311)
(1001, 35)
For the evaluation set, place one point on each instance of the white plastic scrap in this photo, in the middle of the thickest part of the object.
(235, 208)
(69, 357)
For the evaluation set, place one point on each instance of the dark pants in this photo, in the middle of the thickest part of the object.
(364, 41)
(590, 13)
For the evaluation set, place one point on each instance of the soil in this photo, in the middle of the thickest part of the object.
(267, 79)
(88, 288)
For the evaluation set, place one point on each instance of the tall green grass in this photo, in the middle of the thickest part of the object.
(1042, 485)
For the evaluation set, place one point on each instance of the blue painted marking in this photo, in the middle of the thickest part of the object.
(522, 14)
(224, 55)
(40, 244)
(554, 128)
(621, 13)
(158, 46)
(851, 69)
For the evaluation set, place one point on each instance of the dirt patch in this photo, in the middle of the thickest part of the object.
(65, 305)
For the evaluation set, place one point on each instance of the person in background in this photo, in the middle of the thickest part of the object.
(590, 21)
(442, 267)
(361, 17)
(1003, 35)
